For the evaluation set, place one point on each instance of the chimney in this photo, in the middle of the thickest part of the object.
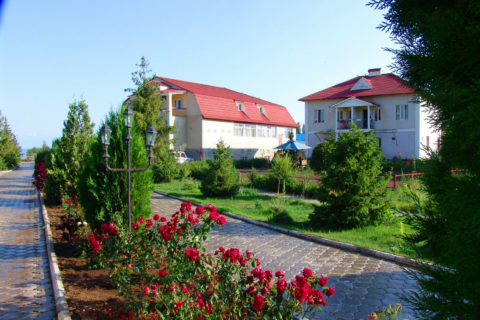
(374, 72)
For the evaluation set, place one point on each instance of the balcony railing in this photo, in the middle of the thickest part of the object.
(360, 123)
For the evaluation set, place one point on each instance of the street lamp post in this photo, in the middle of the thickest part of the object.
(105, 134)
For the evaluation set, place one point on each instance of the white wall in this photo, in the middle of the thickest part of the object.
(407, 132)
(241, 146)
(427, 130)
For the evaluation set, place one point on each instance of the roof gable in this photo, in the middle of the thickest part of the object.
(383, 84)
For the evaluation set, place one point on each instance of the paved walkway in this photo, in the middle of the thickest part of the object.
(25, 286)
(363, 284)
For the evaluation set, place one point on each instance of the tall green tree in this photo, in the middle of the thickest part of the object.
(148, 105)
(103, 193)
(350, 192)
(68, 152)
(9, 147)
(438, 55)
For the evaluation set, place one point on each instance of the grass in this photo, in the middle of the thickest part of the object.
(293, 214)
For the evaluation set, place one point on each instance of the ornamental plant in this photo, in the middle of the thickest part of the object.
(351, 192)
(221, 178)
(39, 176)
(163, 271)
(103, 194)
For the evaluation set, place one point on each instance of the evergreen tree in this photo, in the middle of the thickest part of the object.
(438, 55)
(68, 153)
(282, 171)
(148, 106)
(103, 193)
(9, 147)
(350, 192)
(221, 179)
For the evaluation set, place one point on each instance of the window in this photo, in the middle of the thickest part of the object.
(238, 129)
(250, 130)
(179, 104)
(378, 115)
(287, 132)
(319, 116)
(240, 106)
(340, 115)
(401, 112)
(379, 142)
(267, 131)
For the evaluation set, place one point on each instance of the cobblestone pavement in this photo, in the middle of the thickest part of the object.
(25, 286)
(363, 284)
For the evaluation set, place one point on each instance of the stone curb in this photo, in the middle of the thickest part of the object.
(58, 290)
(331, 243)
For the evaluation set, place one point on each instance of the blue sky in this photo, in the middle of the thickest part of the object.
(53, 52)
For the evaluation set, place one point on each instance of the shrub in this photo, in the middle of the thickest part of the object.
(282, 171)
(318, 161)
(9, 148)
(39, 176)
(165, 167)
(350, 192)
(221, 179)
(103, 194)
(68, 152)
(198, 169)
(258, 163)
(162, 270)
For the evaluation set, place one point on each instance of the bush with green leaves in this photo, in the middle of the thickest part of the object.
(9, 147)
(258, 163)
(351, 192)
(198, 169)
(103, 193)
(221, 179)
(282, 171)
(317, 161)
(165, 167)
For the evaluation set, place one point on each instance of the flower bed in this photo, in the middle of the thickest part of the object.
(163, 272)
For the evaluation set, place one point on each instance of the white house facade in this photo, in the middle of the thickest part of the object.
(203, 115)
(378, 102)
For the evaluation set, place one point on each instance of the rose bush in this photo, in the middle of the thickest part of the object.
(162, 270)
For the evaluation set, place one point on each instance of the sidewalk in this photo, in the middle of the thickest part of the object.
(25, 285)
(363, 284)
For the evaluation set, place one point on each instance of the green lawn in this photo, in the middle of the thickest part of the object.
(294, 215)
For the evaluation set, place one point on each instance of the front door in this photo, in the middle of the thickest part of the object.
(364, 119)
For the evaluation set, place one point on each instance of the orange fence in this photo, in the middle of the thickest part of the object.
(412, 175)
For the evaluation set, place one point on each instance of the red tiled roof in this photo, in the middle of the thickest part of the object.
(384, 84)
(218, 103)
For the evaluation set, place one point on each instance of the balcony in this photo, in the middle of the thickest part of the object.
(360, 123)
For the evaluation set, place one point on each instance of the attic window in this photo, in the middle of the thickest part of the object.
(262, 110)
(362, 84)
(241, 107)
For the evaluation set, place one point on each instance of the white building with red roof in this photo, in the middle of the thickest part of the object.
(204, 114)
(378, 102)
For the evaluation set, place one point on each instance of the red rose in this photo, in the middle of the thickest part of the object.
(192, 254)
(258, 302)
(281, 285)
(323, 281)
(156, 217)
(221, 220)
(149, 223)
(251, 290)
(162, 273)
(199, 210)
(307, 273)
(146, 291)
(141, 219)
(330, 291)
(279, 273)
(135, 225)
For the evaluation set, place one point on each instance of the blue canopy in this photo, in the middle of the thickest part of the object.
(293, 145)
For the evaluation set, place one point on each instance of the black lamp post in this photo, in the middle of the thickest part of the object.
(105, 134)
